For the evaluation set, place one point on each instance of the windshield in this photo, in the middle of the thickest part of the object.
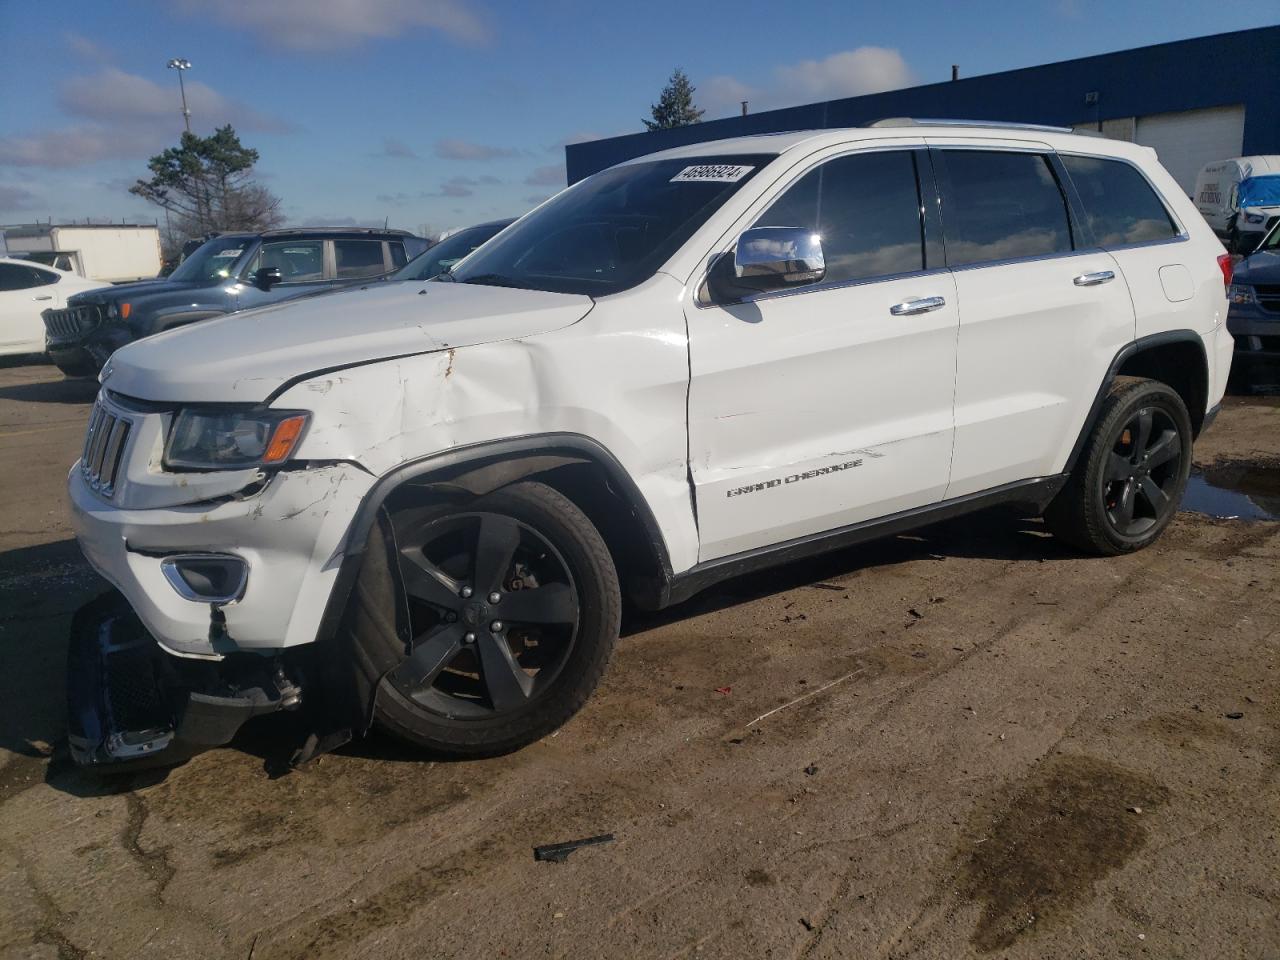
(613, 230)
(1259, 191)
(212, 261)
(447, 252)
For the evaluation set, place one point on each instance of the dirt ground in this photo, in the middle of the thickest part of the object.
(965, 742)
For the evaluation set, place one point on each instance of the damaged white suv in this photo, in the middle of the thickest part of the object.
(420, 504)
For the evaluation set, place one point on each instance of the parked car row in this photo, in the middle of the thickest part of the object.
(419, 504)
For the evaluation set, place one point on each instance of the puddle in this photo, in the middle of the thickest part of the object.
(1235, 490)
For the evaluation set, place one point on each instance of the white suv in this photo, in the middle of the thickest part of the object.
(419, 505)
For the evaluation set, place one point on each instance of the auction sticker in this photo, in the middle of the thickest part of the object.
(712, 173)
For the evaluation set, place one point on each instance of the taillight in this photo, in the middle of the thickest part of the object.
(1224, 263)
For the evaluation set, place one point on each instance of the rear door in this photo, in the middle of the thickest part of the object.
(1043, 311)
(25, 292)
(828, 405)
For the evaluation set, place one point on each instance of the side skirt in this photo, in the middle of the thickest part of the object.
(1036, 493)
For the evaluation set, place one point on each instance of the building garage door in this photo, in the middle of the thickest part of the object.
(1187, 140)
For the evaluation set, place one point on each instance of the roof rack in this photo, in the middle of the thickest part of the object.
(929, 122)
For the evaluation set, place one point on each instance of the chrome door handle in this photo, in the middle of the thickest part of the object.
(915, 305)
(45, 297)
(1094, 279)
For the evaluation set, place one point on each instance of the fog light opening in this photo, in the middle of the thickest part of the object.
(215, 578)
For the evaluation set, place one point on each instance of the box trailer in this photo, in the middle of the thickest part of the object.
(112, 253)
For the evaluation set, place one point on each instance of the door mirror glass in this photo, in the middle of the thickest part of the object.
(267, 277)
(768, 258)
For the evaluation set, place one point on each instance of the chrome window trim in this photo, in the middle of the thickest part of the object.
(1169, 211)
(819, 287)
(1011, 261)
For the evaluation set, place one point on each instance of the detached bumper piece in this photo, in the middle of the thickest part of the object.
(131, 705)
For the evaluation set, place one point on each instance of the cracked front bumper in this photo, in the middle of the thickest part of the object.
(291, 535)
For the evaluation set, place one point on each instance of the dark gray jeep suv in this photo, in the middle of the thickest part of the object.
(229, 273)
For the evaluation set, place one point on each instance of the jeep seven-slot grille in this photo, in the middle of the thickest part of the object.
(104, 449)
(1268, 297)
(72, 322)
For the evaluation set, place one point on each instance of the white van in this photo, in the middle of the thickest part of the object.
(1217, 186)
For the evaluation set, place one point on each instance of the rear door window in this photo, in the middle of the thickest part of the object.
(358, 258)
(1119, 204)
(1001, 205)
(866, 208)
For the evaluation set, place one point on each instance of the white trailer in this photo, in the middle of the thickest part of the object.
(111, 253)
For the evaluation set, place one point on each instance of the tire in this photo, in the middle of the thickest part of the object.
(1125, 487)
(471, 706)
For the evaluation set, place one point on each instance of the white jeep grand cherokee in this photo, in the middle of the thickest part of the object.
(419, 504)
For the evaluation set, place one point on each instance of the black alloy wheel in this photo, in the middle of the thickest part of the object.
(1142, 477)
(493, 611)
(1125, 487)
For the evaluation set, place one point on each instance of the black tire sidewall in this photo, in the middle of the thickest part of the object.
(584, 552)
(1148, 393)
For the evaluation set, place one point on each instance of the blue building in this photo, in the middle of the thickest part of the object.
(1194, 101)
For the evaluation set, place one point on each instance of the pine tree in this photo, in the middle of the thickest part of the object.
(675, 107)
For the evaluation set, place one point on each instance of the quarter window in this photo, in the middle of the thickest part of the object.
(358, 258)
(866, 208)
(1119, 203)
(1002, 206)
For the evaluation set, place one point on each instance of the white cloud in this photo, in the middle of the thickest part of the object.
(849, 73)
(449, 149)
(17, 198)
(123, 115)
(86, 49)
(397, 149)
(113, 96)
(321, 25)
(548, 176)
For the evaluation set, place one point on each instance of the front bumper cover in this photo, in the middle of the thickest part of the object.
(131, 706)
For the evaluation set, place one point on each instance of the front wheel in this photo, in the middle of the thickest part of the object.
(1131, 474)
(512, 612)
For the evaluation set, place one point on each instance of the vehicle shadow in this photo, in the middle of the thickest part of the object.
(40, 588)
(1000, 533)
(77, 391)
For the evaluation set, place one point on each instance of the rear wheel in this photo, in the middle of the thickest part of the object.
(512, 612)
(1131, 474)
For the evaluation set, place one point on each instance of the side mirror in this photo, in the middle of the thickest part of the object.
(769, 258)
(264, 278)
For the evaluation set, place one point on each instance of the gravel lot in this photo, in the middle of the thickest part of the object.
(973, 743)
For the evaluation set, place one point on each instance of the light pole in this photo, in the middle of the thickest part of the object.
(179, 64)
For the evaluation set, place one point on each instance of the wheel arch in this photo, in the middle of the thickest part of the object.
(577, 466)
(1174, 357)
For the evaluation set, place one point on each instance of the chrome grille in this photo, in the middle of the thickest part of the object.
(104, 447)
(73, 322)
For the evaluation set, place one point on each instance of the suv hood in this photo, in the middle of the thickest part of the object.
(139, 288)
(246, 357)
(1262, 267)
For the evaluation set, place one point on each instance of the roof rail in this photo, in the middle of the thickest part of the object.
(930, 122)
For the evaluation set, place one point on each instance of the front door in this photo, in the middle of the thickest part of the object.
(25, 293)
(302, 269)
(831, 404)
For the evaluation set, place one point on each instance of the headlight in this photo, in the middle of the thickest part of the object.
(112, 311)
(1240, 293)
(210, 438)
(1254, 217)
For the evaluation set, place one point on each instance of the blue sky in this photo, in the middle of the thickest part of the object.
(445, 112)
